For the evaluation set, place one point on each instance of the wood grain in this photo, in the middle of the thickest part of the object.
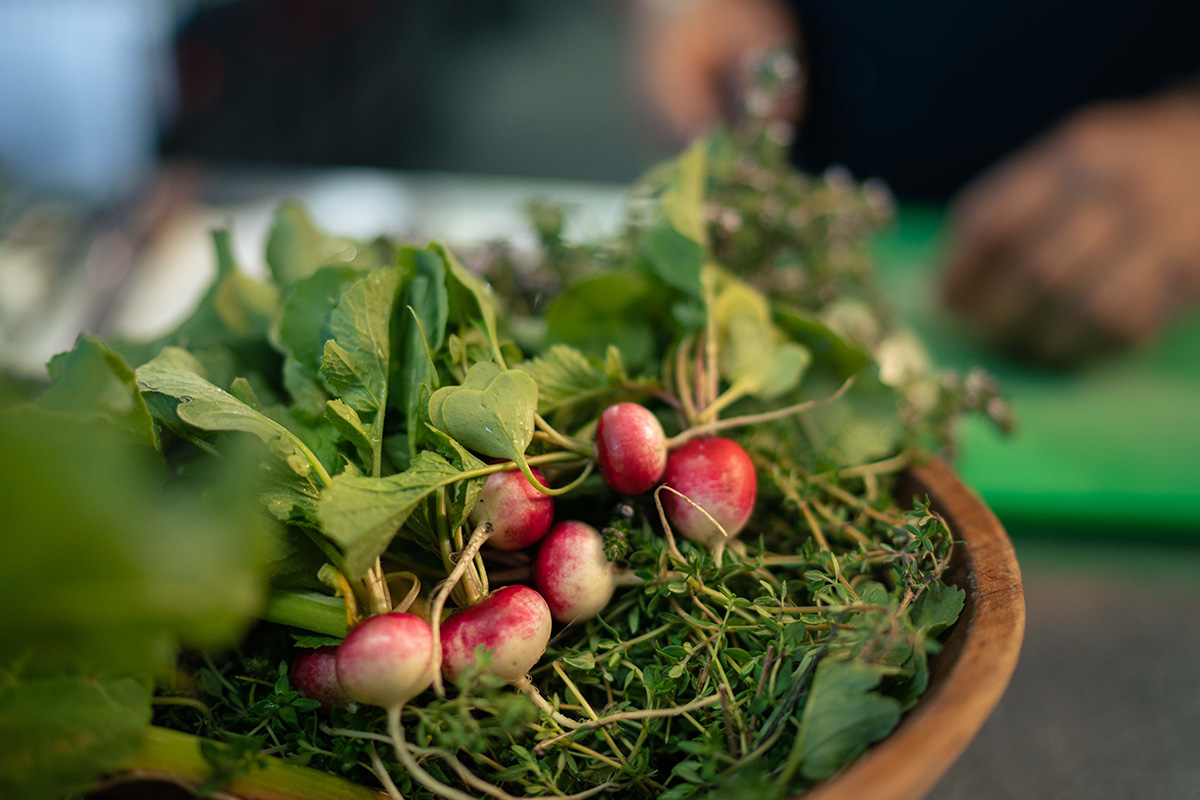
(971, 673)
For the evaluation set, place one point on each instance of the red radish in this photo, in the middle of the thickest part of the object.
(631, 448)
(386, 660)
(717, 475)
(314, 675)
(572, 572)
(513, 623)
(519, 513)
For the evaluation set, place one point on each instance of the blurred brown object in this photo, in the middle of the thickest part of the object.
(698, 56)
(1089, 239)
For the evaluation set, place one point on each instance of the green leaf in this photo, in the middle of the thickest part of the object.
(58, 734)
(675, 246)
(175, 373)
(842, 716)
(356, 360)
(345, 420)
(422, 331)
(674, 257)
(937, 608)
(754, 355)
(566, 377)
(491, 413)
(230, 322)
(93, 382)
(617, 309)
(305, 389)
(471, 300)
(105, 568)
(296, 248)
(305, 324)
(683, 198)
(361, 515)
(313, 641)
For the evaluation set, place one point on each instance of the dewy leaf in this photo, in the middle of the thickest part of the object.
(842, 716)
(304, 326)
(495, 419)
(355, 362)
(296, 248)
(93, 382)
(471, 300)
(360, 515)
(58, 734)
(177, 374)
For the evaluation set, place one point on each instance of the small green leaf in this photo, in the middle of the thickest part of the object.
(937, 608)
(345, 419)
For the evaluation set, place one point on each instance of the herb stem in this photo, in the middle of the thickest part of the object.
(756, 419)
(189, 702)
(626, 716)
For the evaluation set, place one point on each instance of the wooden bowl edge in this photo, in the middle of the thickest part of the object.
(957, 704)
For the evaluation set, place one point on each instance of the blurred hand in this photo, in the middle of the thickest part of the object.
(697, 55)
(1089, 239)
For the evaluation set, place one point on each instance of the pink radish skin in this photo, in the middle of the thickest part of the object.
(716, 474)
(314, 675)
(572, 572)
(386, 660)
(631, 448)
(513, 623)
(520, 514)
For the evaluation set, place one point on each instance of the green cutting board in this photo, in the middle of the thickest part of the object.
(1112, 450)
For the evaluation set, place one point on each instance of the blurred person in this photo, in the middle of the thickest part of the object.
(1068, 134)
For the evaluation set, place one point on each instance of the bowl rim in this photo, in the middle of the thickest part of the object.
(972, 671)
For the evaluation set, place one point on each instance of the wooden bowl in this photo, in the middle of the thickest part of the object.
(970, 674)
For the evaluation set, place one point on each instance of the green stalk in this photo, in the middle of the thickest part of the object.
(309, 611)
(176, 756)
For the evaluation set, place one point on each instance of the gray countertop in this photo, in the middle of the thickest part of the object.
(1105, 702)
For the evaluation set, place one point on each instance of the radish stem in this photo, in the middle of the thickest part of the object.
(465, 558)
(418, 773)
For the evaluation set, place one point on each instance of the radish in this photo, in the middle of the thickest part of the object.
(519, 514)
(631, 448)
(386, 660)
(512, 623)
(716, 475)
(314, 675)
(573, 573)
